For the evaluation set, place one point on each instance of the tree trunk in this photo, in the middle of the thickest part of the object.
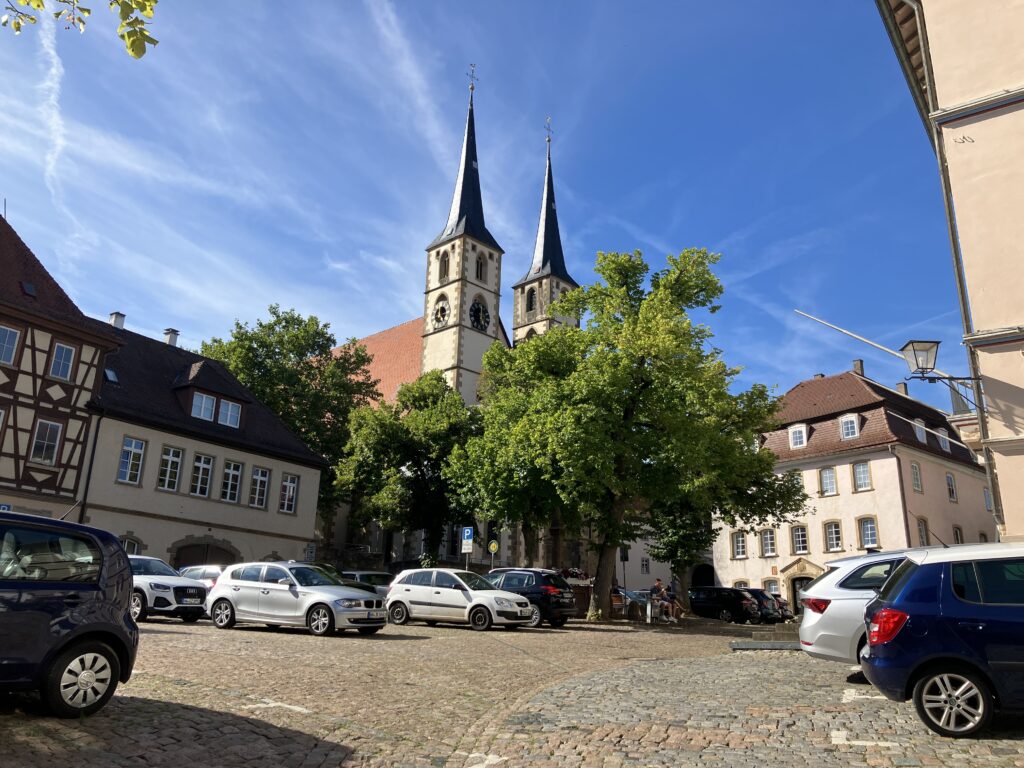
(431, 545)
(601, 596)
(529, 544)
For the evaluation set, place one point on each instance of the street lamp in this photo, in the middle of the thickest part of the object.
(920, 355)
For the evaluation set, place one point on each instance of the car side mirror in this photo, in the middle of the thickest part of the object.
(456, 586)
(285, 581)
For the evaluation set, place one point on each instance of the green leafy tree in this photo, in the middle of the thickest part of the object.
(134, 16)
(631, 417)
(393, 470)
(286, 361)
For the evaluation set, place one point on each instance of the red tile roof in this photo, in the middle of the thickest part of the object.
(397, 356)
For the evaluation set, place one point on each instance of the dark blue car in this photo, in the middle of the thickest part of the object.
(947, 630)
(65, 629)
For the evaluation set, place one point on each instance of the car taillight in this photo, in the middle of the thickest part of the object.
(885, 625)
(549, 590)
(815, 604)
(750, 603)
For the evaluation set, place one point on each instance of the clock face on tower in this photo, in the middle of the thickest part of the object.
(442, 311)
(479, 316)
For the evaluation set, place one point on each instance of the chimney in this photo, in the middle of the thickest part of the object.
(819, 375)
(858, 367)
(117, 319)
(902, 389)
(171, 336)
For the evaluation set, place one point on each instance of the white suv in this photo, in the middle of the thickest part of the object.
(442, 594)
(158, 590)
(832, 627)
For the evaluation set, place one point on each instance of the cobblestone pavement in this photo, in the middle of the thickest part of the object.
(445, 696)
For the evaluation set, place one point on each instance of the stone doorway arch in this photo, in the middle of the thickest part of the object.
(202, 550)
(703, 575)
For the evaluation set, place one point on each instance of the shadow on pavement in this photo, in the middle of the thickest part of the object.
(131, 731)
(351, 634)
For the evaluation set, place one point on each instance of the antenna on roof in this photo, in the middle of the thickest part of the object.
(929, 530)
(70, 509)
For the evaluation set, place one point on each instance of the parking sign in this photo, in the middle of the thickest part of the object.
(5, 507)
(467, 540)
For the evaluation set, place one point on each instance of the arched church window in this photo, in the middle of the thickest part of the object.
(531, 333)
(531, 300)
(442, 266)
(481, 268)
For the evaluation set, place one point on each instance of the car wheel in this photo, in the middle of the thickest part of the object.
(725, 615)
(558, 623)
(320, 620)
(369, 630)
(81, 680)
(480, 618)
(223, 614)
(398, 613)
(954, 702)
(137, 606)
(535, 618)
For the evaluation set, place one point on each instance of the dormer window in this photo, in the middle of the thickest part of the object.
(943, 439)
(230, 414)
(922, 436)
(849, 426)
(203, 406)
(798, 436)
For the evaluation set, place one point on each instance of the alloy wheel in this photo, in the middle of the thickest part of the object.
(319, 621)
(535, 617)
(954, 703)
(135, 606)
(85, 679)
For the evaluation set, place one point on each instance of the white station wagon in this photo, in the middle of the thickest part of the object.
(446, 595)
(292, 594)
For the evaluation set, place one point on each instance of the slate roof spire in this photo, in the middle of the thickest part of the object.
(548, 258)
(467, 213)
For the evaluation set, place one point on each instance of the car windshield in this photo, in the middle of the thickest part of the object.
(377, 579)
(473, 580)
(310, 576)
(146, 567)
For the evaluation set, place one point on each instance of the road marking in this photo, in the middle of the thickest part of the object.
(271, 704)
(839, 739)
(852, 694)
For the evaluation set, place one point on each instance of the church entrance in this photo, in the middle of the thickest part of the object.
(703, 576)
(796, 585)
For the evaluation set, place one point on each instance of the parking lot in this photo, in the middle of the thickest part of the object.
(447, 696)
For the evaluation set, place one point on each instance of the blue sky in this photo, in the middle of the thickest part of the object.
(306, 158)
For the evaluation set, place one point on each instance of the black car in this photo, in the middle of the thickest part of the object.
(784, 609)
(725, 603)
(65, 627)
(550, 596)
(768, 605)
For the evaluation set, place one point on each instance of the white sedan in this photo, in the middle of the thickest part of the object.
(447, 595)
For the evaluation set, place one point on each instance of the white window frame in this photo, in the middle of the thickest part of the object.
(919, 431)
(951, 488)
(131, 546)
(943, 439)
(797, 550)
(798, 429)
(829, 527)
(768, 544)
(57, 347)
(289, 499)
(47, 445)
(202, 469)
(739, 552)
(259, 487)
(199, 403)
(915, 477)
(849, 419)
(864, 543)
(958, 534)
(171, 458)
(231, 477)
(645, 566)
(857, 487)
(771, 586)
(821, 481)
(741, 584)
(226, 410)
(129, 467)
(13, 347)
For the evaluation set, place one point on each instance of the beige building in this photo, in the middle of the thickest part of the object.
(883, 471)
(964, 63)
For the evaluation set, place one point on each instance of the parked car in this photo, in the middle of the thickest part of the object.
(551, 598)
(336, 574)
(832, 626)
(767, 605)
(784, 609)
(208, 574)
(725, 603)
(160, 591)
(446, 595)
(379, 580)
(293, 594)
(633, 604)
(947, 630)
(65, 628)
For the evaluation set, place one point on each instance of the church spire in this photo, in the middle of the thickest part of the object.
(548, 259)
(467, 212)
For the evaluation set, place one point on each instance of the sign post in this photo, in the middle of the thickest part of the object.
(467, 543)
(493, 549)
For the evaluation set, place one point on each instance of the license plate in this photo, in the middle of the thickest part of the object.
(524, 611)
(376, 614)
(190, 601)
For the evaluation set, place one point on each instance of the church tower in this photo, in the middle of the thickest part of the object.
(548, 278)
(463, 283)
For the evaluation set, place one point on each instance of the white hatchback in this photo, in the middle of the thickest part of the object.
(832, 627)
(447, 595)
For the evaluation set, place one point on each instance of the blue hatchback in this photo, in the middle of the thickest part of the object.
(65, 629)
(947, 630)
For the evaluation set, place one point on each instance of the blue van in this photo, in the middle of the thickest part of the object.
(65, 628)
(947, 630)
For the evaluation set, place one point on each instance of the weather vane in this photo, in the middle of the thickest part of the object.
(472, 77)
(547, 127)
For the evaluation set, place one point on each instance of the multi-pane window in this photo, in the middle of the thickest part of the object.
(827, 481)
(131, 546)
(986, 491)
(800, 540)
(915, 476)
(739, 545)
(798, 436)
(771, 586)
(849, 426)
(63, 358)
(203, 406)
(170, 469)
(202, 471)
(289, 493)
(922, 436)
(230, 414)
(129, 469)
(232, 482)
(8, 344)
(868, 530)
(958, 534)
(923, 539)
(259, 481)
(833, 537)
(741, 584)
(951, 486)
(861, 476)
(768, 543)
(645, 565)
(45, 442)
(943, 439)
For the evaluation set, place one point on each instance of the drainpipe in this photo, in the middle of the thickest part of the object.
(903, 494)
(88, 472)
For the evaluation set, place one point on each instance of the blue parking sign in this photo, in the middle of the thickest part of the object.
(467, 533)
(5, 507)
